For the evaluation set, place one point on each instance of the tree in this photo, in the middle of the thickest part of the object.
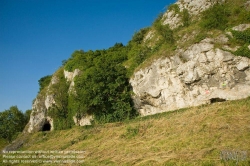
(103, 90)
(12, 121)
(27, 115)
(44, 81)
(59, 111)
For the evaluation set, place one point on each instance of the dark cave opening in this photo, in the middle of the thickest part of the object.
(216, 100)
(46, 126)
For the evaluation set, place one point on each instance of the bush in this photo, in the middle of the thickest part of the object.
(12, 122)
(139, 36)
(103, 90)
(216, 17)
(165, 31)
(199, 37)
(242, 36)
(44, 82)
(185, 18)
(174, 7)
(59, 111)
(243, 51)
(81, 60)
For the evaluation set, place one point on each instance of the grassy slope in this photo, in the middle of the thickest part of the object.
(3, 143)
(193, 136)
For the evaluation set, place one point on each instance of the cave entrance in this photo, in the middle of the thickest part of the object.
(216, 100)
(46, 126)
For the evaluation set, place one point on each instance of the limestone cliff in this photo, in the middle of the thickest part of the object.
(195, 73)
(173, 16)
(200, 74)
(39, 118)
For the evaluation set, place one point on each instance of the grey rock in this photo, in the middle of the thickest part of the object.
(241, 27)
(209, 74)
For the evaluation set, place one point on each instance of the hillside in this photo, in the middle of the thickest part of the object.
(193, 136)
(191, 55)
(176, 94)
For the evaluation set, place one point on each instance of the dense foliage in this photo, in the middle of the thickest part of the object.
(164, 30)
(44, 81)
(12, 121)
(185, 18)
(223, 15)
(215, 17)
(243, 51)
(137, 51)
(59, 111)
(242, 38)
(103, 88)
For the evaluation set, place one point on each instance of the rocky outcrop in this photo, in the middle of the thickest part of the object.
(45, 100)
(200, 74)
(37, 117)
(83, 121)
(241, 27)
(173, 18)
(70, 78)
(41, 105)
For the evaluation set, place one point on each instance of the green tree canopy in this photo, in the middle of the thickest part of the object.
(12, 121)
(44, 81)
(103, 89)
(59, 111)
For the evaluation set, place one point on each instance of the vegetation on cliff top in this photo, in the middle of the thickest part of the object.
(103, 90)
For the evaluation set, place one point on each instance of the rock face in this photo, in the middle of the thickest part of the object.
(198, 75)
(194, 7)
(85, 120)
(70, 78)
(43, 102)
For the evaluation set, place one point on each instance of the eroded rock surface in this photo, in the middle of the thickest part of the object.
(173, 18)
(198, 75)
(43, 102)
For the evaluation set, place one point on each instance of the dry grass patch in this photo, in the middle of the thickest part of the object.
(193, 136)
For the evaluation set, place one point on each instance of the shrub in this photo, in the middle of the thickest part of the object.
(44, 82)
(139, 36)
(243, 51)
(174, 7)
(103, 90)
(199, 37)
(12, 122)
(166, 33)
(59, 111)
(242, 36)
(216, 17)
(185, 18)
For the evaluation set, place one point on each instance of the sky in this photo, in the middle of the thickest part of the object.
(37, 35)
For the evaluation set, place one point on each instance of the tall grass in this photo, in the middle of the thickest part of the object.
(193, 136)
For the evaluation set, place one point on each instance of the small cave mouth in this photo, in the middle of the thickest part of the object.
(217, 100)
(46, 126)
